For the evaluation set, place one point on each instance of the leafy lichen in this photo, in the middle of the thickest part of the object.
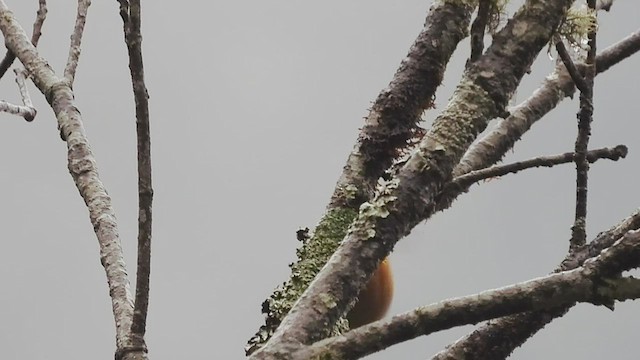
(377, 208)
(312, 256)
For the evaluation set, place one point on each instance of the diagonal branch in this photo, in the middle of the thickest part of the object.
(389, 127)
(76, 40)
(576, 76)
(410, 196)
(494, 145)
(26, 110)
(41, 15)
(596, 282)
(497, 339)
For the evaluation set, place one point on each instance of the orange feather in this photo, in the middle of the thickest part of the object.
(375, 299)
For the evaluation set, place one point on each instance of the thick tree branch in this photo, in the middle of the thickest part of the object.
(82, 166)
(41, 15)
(130, 13)
(409, 197)
(597, 282)
(390, 125)
(497, 339)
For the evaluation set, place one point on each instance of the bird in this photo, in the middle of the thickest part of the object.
(374, 301)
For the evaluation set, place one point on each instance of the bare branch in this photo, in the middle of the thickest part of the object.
(133, 39)
(41, 15)
(497, 339)
(26, 111)
(477, 29)
(76, 40)
(410, 196)
(595, 283)
(390, 125)
(585, 117)
(464, 181)
(621, 289)
(577, 78)
(82, 166)
(124, 10)
(558, 85)
(392, 122)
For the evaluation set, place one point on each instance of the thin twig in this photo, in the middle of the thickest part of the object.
(76, 40)
(133, 39)
(26, 111)
(577, 78)
(21, 80)
(466, 180)
(41, 15)
(477, 30)
(585, 117)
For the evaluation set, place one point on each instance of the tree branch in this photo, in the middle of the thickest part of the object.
(390, 125)
(585, 117)
(493, 146)
(133, 38)
(577, 78)
(409, 197)
(41, 15)
(76, 40)
(82, 166)
(464, 181)
(477, 29)
(26, 110)
(497, 339)
(596, 283)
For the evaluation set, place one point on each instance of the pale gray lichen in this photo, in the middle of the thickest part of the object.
(377, 208)
(351, 192)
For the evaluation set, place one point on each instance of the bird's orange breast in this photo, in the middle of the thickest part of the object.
(375, 299)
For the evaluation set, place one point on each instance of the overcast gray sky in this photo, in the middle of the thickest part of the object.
(255, 106)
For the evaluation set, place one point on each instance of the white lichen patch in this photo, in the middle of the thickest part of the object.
(376, 209)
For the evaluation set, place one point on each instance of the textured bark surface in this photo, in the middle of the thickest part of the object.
(82, 167)
(411, 195)
(391, 124)
(497, 339)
